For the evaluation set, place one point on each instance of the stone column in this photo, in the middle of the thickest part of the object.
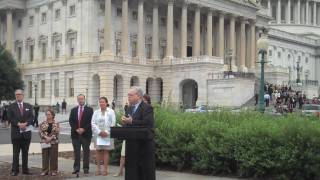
(196, 33)
(141, 38)
(233, 41)
(209, 33)
(307, 13)
(124, 27)
(279, 12)
(169, 54)
(314, 13)
(318, 18)
(107, 28)
(155, 31)
(243, 45)
(253, 44)
(221, 35)
(288, 19)
(9, 44)
(184, 29)
(269, 8)
(298, 16)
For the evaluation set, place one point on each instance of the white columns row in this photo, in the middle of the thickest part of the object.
(184, 32)
(302, 11)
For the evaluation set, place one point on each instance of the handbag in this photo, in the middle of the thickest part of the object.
(45, 145)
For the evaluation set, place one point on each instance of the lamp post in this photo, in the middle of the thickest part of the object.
(262, 45)
(86, 96)
(299, 69)
(35, 92)
(230, 55)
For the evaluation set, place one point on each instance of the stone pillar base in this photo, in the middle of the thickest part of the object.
(243, 69)
(167, 60)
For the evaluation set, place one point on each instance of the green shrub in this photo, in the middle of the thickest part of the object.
(246, 144)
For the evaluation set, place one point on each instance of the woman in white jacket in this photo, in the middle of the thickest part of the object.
(102, 120)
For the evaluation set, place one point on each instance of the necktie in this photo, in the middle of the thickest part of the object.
(21, 108)
(80, 116)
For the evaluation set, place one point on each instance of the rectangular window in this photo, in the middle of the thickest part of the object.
(163, 21)
(19, 23)
(44, 51)
(118, 46)
(149, 19)
(44, 18)
(72, 47)
(134, 49)
(31, 49)
(72, 10)
(57, 50)
(57, 14)
(134, 15)
(71, 87)
(148, 48)
(31, 21)
(119, 12)
(162, 51)
(43, 89)
(19, 54)
(56, 87)
(30, 89)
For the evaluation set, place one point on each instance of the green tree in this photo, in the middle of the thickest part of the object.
(10, 76)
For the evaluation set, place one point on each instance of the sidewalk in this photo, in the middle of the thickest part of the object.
(66, 165)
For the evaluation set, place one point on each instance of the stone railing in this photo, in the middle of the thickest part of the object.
(305, 82)
(231, 75)
(278, 69)
(200, 59)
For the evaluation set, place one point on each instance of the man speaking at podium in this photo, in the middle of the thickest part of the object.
(140, 154)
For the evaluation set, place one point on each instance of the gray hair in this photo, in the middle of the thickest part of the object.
(138, 90)
(15, 92)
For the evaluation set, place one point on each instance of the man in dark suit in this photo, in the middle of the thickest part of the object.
(140, 154)
(21, 116)
(81, 133)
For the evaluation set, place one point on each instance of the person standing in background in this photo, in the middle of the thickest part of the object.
(81, 133)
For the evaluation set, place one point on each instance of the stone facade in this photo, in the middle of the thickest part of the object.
(168, 47)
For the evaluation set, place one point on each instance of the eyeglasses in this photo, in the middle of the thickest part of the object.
(19, 94)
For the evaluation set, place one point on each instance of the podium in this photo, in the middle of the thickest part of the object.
(140, 151)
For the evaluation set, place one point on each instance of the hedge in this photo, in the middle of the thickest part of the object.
(245, 144)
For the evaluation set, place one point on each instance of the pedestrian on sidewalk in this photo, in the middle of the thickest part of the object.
(64, 106)
(81, 133)
(102, 120)
(36, 114)
(49, 134)
(20, 114)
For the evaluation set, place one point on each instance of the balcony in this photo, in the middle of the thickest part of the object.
(199, 59)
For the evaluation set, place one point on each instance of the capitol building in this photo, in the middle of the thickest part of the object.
(190, 52)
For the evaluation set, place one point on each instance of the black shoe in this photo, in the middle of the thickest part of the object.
(14, 174)
(86, 171)
(26, 173)
(75, 172)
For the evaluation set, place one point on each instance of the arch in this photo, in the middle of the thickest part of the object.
(189, 93)
(134, 81)
(118, 89)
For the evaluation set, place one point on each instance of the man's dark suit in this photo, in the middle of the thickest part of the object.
(141, 152)
(20, 141)
(83, 140)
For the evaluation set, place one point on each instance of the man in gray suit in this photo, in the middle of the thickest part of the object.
(20, 114)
